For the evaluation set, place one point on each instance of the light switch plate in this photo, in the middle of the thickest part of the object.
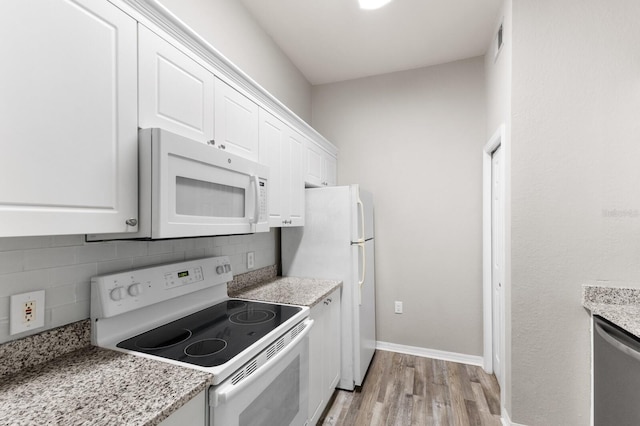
(26, 312)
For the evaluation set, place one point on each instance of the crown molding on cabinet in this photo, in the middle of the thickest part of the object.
(157, 14)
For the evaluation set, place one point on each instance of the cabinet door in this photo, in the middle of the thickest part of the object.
(314, 167)
(176, 93)
(69, 133)
(236, 122)
(330, 172)
(295, 181)
(316, 345)
(273, 137)
(331, 358)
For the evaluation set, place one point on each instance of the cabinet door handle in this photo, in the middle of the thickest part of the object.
(211, 142)
(132, 222)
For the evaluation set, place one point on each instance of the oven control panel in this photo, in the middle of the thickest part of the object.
(125, 291)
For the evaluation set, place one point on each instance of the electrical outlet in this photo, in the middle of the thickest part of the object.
(398, 307)
(250, 260)
(26, 312)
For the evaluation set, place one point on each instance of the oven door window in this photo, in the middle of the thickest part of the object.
(279, 403)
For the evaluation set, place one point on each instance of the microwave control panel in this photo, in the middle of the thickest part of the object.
(262, 196)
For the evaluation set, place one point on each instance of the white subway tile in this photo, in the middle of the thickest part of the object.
(83, 291)
(184, 244)
(220, 241)
(49, 257)
(23, 243)
(97, 252)
(11, 261)
(4, 331)
(159, 247)
(61, 295)
(72, 274)
(67, 240)
(4, 307)
(65, 314)
(21, 282)
(114, 266)
(131, 249)
(195, 254)
(205, 242)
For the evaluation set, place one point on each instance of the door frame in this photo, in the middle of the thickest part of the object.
(497, 140)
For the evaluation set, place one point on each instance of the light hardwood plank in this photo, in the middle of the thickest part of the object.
(406, 390)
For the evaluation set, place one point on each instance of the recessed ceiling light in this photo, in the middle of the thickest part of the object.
(372, 4)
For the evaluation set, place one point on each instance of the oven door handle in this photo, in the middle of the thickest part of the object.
(228, 390)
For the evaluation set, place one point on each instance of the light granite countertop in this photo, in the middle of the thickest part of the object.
(89, 385)
(289, 290)
(620, 305)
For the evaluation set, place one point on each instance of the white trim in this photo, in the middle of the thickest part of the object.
(496, 140)
(430, 353)
(506, 420)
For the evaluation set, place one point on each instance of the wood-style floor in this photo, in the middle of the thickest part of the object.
(407, 390)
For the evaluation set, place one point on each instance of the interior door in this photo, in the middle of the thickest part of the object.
(497, 259)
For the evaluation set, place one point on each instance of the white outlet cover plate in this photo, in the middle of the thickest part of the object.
(17, 301)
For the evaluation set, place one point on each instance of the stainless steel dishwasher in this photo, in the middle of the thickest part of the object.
(616, 364)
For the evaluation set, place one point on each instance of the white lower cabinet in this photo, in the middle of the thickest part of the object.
(281, 148)
(69, 134)
(324, 354)
(191, 413)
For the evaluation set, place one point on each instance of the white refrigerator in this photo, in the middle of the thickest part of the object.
(337, 242)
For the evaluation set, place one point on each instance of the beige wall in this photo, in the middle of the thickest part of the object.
(575, 191)
(229, 27)
(498, 86)
(415, 140)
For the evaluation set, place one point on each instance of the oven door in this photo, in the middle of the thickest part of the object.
(275, 394)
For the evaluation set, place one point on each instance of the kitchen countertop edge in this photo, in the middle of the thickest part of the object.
(289, 290)
(619, 305)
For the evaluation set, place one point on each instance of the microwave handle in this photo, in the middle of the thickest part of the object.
(256, 202)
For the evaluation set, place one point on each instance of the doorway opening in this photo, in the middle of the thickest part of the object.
(494, 254)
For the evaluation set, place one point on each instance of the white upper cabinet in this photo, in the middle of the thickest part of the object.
(237, 122)
(68, 103)
(320, 166)
(281, 149)
(176, 93)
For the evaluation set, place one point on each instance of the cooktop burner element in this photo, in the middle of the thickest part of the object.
(157, 339)
(214, 335)
(250, 317)
(205, 347)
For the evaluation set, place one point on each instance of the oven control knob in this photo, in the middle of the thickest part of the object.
(219, 269)
(227, 267)
(134, 289)
(117, 294)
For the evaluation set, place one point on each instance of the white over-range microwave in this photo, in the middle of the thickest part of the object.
(190, 189)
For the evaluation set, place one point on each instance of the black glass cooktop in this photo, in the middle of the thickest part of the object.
(213, 335)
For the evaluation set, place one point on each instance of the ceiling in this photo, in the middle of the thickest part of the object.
(334, 40)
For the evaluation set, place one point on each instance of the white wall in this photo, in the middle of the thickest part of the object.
(498, 86)
(228, 26)
(415, 140)
(575, 191)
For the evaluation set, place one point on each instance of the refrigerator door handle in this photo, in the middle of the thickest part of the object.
(364, 269)
(361, 207)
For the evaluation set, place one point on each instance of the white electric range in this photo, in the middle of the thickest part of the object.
(180, 313)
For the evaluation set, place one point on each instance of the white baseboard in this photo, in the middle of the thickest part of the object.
(431, 353)
(506, 420)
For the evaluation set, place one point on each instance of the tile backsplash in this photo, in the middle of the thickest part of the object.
(64, 265)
